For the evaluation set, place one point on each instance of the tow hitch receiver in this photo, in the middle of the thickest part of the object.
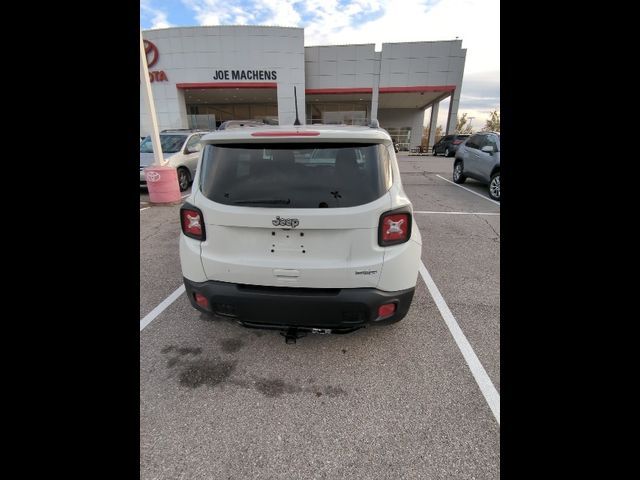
(291, 335)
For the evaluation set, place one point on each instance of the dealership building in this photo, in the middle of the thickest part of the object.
(203, 76)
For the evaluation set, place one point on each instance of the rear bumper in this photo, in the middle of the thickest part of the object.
(286, 307)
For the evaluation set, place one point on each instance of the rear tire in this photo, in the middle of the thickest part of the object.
(433, 152)
(184, 178)
(458, 175)
(494, 187)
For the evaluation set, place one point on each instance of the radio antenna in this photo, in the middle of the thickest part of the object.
(295, 96)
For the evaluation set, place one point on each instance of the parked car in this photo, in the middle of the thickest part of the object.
(181, 149)
(479, 158)
(240, 123)
(305, 229)
(448, 145)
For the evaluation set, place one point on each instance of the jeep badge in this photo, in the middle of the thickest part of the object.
(285, 222)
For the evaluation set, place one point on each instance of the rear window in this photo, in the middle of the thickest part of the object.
(168, 144)
(295, 175)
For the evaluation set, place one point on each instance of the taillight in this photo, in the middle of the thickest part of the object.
(192, 222)
(201, 300)
(457, 142)
(394, 227)
(386, 310)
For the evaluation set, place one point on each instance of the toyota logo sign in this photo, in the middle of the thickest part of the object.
(152, 176)
(152, 53)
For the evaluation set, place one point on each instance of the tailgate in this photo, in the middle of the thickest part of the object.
(318, 248)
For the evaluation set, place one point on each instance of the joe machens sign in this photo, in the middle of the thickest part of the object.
(245, 75)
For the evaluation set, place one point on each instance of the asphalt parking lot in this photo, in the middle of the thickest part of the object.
(408, 400)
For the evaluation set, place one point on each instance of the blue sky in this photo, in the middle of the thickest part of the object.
(339, 22)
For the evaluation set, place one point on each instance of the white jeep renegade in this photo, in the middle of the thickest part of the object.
(300, 228)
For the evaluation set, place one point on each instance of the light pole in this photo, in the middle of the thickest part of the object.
(162, 180)
(151, 109)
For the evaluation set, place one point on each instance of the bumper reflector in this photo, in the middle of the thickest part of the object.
(386, 310)
(201, 300)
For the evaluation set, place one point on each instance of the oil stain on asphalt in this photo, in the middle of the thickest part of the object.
(182, 350)
(231, 345)
(276, 387)
(196, 372)
(203, 372)
(179, 352)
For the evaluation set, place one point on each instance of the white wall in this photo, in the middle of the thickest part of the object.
(397, 65)
(396, 117)
(343, 66)
(403, 117)
(425, 63)
(422, 63)
(192, 55)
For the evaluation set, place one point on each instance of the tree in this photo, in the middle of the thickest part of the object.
(438, 133)
(462, 127)
(493, 122)
(425, 135)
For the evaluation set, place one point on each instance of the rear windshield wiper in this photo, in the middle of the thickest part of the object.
(275, 201)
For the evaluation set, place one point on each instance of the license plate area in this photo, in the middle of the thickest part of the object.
(288, 241)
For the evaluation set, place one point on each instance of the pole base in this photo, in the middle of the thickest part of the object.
(162, 183)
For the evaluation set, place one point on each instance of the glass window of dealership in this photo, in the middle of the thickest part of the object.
(203, 76)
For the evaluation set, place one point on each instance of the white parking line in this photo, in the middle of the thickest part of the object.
(468, 190)
(160, 308)
(185, 196)
(458, 213)
(144, 208)
(490, 393)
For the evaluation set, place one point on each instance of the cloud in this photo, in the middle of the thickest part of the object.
(157, 17)
(248, 12)
(284, 13)
(160, 21)
(480, 94)
(339, 22)
(334, 22)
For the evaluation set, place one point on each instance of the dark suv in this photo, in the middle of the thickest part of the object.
(448, 145)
